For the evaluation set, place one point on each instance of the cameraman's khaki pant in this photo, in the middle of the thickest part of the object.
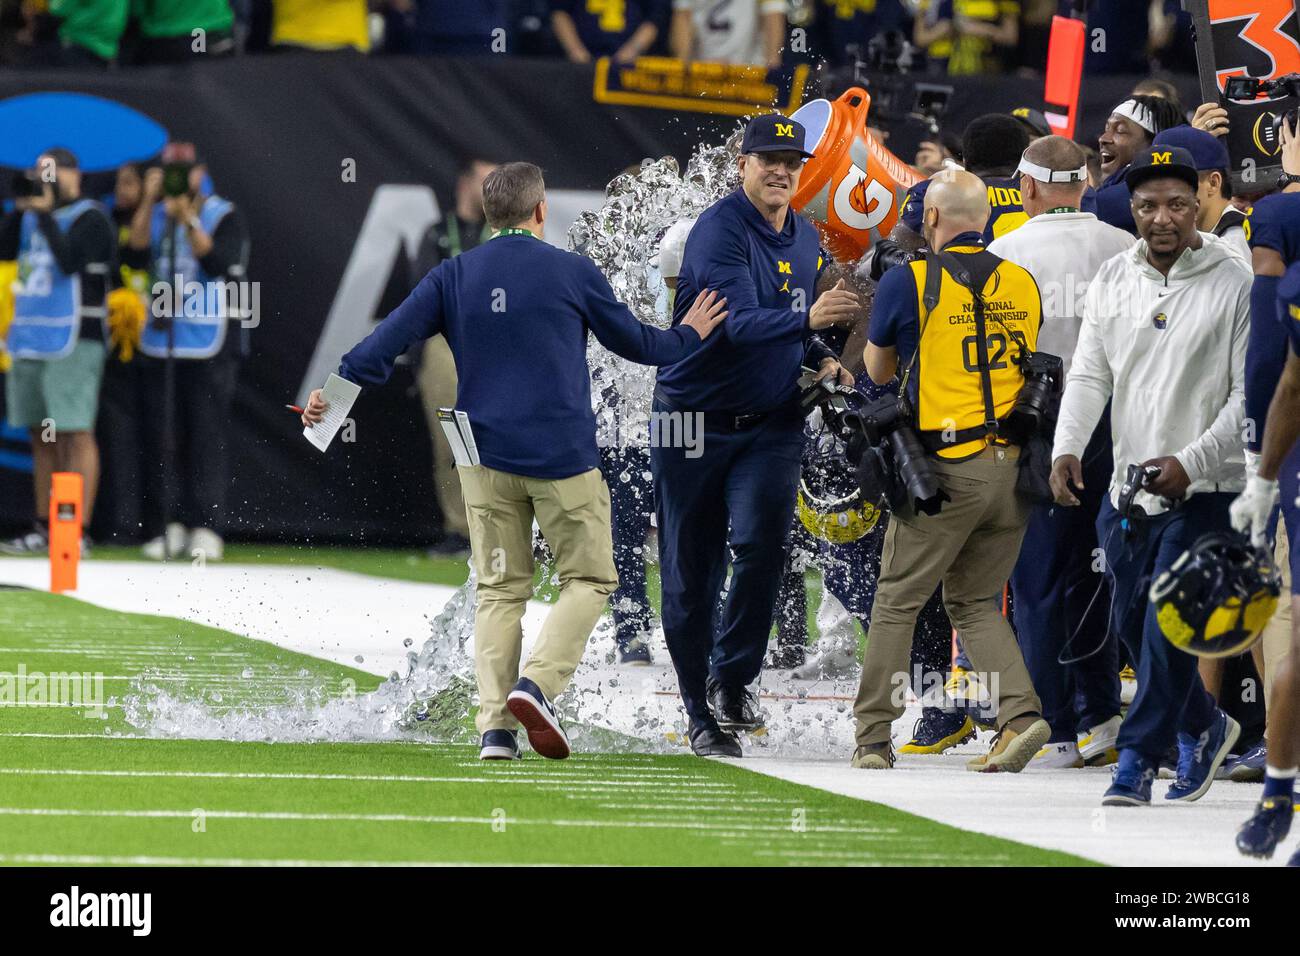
(573, 514)
(1276, 642)
(970, 546)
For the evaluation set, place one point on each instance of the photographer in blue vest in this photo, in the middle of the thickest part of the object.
(734, 485)
(195, 245)
(64, 247)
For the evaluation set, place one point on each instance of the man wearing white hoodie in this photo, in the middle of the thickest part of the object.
(1060, 599)
(1163, 338)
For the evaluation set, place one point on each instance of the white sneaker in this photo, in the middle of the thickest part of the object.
(1098, 744)
(172, 544)
(206, 544)
(1128, 686)
(1056, 756)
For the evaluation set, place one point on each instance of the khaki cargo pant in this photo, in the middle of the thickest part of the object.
(1276, 641)
(971, 545)
(573, 514)
(437, 381)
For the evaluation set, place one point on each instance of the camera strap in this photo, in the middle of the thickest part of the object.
(948, 262)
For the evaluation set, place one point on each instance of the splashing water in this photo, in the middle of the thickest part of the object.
(604, 709)
(432, 702)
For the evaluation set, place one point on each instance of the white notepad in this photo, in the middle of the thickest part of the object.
(339, 394)
(455, 425)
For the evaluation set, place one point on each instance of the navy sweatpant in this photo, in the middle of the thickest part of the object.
(631, 501)
(1170, 697)
(739, 489)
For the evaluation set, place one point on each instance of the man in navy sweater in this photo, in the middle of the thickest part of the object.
(738, 394)
(516, 313)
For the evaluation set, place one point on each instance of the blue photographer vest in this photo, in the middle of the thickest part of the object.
(47, 305)
(200, 315)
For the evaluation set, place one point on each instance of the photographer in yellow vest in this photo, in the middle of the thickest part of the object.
(956, 327)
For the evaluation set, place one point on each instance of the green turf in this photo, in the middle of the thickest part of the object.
(88, 794)
(405, 564)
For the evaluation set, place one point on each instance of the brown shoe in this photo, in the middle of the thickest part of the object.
(1011, 751)
(873, 757)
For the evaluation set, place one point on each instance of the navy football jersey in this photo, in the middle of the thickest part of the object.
(1288, 298)
(1274, 223)
(1005, 205)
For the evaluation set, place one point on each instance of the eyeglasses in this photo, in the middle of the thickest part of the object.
(791, 162)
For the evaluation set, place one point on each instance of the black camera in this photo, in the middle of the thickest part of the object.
(1249, 88)
(880, 443)
(886, 424)
(1037, 405)
(884, 68)
(1136, 478)
(176, 179)
(27, 184)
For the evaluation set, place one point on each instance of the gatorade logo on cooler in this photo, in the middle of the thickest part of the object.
(862, 203)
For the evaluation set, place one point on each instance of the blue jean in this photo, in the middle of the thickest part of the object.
(631, 501)
(1060, 605)
(1170, 697)
(739, 490)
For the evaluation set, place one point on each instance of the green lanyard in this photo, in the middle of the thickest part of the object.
(513, 232)
(1063, 209)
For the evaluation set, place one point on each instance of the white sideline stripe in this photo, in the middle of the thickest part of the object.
(377, 778)
(64, 859)
(417, 818)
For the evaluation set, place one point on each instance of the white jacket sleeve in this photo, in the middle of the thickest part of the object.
(1210, 451)
(1088, 387)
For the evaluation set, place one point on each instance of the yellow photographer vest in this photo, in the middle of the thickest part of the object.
(946, 388)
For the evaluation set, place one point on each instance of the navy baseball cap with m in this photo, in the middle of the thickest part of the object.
(771, 133)
(1160, 162)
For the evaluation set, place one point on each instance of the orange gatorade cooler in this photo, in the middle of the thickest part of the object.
(853, 187)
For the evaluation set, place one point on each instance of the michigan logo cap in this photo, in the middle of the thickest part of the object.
(772, 133)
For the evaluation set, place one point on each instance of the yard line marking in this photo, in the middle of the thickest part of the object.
(322, 817)
(90, 705)
(94, 860)
(378, 778)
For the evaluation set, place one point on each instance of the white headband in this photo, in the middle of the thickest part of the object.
(1132, 109)
(1045, 175)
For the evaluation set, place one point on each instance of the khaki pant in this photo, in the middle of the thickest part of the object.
(970, 546)
(1276, 641)
(573, 514)
(437, 382)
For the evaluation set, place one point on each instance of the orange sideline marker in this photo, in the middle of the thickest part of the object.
(65, 530)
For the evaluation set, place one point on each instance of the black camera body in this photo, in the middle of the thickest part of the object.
(881, 443)
(1039, 401)
(27, 184)
(176, 179)
(1249, 88)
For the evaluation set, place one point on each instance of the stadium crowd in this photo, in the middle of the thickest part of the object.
(955, 37)
(1174, 349)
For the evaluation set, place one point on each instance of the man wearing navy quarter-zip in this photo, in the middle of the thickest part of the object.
(517, 314)
(736, 488)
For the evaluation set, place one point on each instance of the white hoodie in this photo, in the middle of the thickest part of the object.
(1063, 252)
(1177, 390)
